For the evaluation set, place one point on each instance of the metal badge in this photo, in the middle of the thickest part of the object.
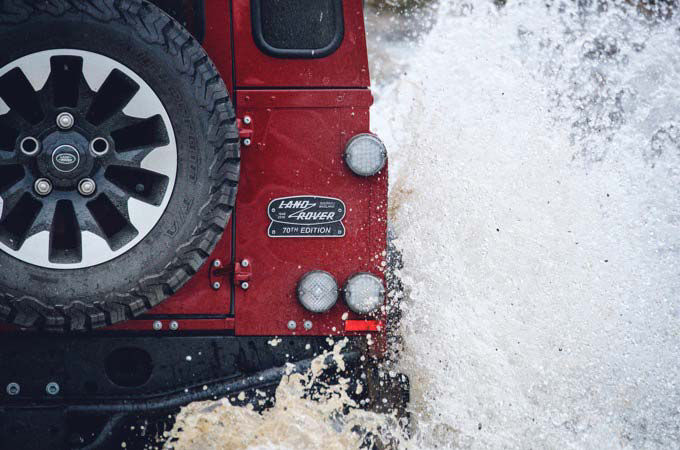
(306, 216)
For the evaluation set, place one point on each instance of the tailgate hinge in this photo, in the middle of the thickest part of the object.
(245, 130)
(240, 273)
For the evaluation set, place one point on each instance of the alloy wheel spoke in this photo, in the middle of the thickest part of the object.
(10, 124)
(10, 177)
(19, 95)
(65, 81)
(17, 221)
(142, 184)
(110, 212)
(11, 196)
(133, 134)
(65, 235)
(116, 92)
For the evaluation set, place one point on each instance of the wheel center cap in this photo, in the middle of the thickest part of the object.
(65, 158)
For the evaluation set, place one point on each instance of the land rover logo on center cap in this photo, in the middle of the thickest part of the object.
(65, 158)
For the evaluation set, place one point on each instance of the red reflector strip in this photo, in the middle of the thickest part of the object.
(363, 325)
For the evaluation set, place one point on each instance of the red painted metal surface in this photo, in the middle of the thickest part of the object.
(347, 67)
(298, 143)
(218, 38)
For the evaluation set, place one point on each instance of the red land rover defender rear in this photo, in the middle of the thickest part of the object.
(136, 279)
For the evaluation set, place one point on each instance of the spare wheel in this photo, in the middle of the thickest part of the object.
(119, 161)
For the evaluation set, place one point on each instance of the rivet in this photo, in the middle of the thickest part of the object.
(292, 325)
(174, 326)
(52, 388)
(157, 325)
(13, 388)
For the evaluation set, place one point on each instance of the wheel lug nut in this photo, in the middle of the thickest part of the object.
(42, 186)
(65, 121)
(29, 146)
(87, 186)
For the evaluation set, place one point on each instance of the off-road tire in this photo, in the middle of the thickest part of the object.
(174, 64)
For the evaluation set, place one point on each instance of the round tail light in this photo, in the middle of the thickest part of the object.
(317, 291)
(364, 293)
(365, 155)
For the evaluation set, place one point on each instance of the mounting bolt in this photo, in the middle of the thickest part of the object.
(245, 285)
(65, 121)
(292, 325)
(247, 142)
(13, 388)
(52, 388)
(87, 187)
(217, 263)
(308, 324)
(245, 263)
(217, 285)
(247, 120)
(174, 326)
(157, 325)
(42, 186)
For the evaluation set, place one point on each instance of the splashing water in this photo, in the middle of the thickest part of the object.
(297, 420)
(535, 166)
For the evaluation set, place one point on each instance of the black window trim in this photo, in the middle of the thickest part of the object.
(265, 47)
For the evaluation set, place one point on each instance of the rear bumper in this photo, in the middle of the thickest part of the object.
(89, 391)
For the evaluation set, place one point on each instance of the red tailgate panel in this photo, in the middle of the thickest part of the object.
(298, 142)
(346, 67)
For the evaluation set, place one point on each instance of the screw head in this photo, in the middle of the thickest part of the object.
(247, 142)
(217, 285)
(245, 263)
(42, 186)
(13, 388)
(157, 325)
(174, 326)
(292, 325)
(65, 121)
(307, 324)
(247, 120)
(245, 285)
(87, 187)
(217, 263)
(52, 388)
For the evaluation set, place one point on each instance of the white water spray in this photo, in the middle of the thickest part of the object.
(534, 186)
